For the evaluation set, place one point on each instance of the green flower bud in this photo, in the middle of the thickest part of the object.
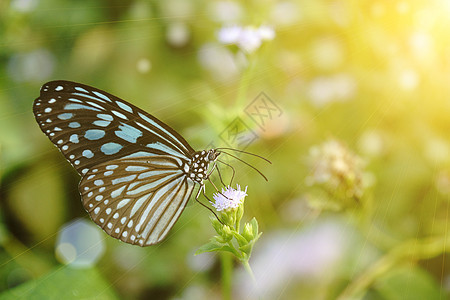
(248, 232)
(226, 233)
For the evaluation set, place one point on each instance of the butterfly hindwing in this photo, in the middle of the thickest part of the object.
(137, 200)
(91, 126)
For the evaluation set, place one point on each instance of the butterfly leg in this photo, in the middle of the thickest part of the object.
(220, 175)
(215, 166)
(209, 179)
(202, 190)
(217, 190)
(232, 169)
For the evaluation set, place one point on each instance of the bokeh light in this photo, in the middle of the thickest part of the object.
(79, 244)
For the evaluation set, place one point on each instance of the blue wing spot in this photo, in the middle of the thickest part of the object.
(74, 138)
(105, 117)
(139, 154)
(88, 153)
(101, 96)
(135, 168)
(99, 182)
(120, 115)
(74, 125)
(80, 89)
(153, 123)
(101, 123)
(128, 133)
(110, 148)
(94, 134)
(87, 96)
(79, 106)
(124, 107)
(95, 104)
(65, 116)
(75, 100)
(123, 179)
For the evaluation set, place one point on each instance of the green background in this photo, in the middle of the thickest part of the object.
(373, 75)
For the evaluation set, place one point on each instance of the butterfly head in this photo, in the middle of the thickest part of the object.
(200, 162)
(212, 155)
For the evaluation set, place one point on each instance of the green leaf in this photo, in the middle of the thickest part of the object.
(216, 225)
(247, 249)
(408, 283)
(212, 245)
(64, 283)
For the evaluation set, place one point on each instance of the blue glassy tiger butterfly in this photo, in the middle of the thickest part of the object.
(137, 173)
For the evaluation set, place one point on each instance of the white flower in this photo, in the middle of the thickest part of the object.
(266, 33)
(229, 198)
(249, 40)
(246, 38)
(229, 35)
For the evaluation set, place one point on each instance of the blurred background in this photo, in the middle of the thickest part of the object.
(348, 99)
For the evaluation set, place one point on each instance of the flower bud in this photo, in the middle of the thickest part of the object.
(226, 233)
(248, 232)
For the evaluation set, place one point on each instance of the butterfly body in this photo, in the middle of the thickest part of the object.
(137, 173)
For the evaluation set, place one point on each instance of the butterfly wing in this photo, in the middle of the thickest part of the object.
(90, 126)
(136, 200)
(134, 167)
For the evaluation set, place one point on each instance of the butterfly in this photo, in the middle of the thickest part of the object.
(137, 173)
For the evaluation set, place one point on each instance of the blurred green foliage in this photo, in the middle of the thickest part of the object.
(372, 75)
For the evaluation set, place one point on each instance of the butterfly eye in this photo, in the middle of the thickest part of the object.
(212, 155)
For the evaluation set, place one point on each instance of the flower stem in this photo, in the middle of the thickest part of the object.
(410, 250)
(245, 81)
(227, 268)
(249, 270)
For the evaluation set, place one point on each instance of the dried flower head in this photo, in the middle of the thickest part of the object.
(337, 169)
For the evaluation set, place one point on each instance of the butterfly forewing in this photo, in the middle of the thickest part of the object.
(91, 126)
(136, 200)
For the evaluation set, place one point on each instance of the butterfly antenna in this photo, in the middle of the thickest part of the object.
(254, 168)
(245, 152)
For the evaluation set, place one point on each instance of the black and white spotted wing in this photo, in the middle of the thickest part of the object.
(137, 200)
(137, 172)
(91, 126)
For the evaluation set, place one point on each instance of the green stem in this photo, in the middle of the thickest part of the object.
(245, 81)
(249, 270)
(227, 268)
(411, 250)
